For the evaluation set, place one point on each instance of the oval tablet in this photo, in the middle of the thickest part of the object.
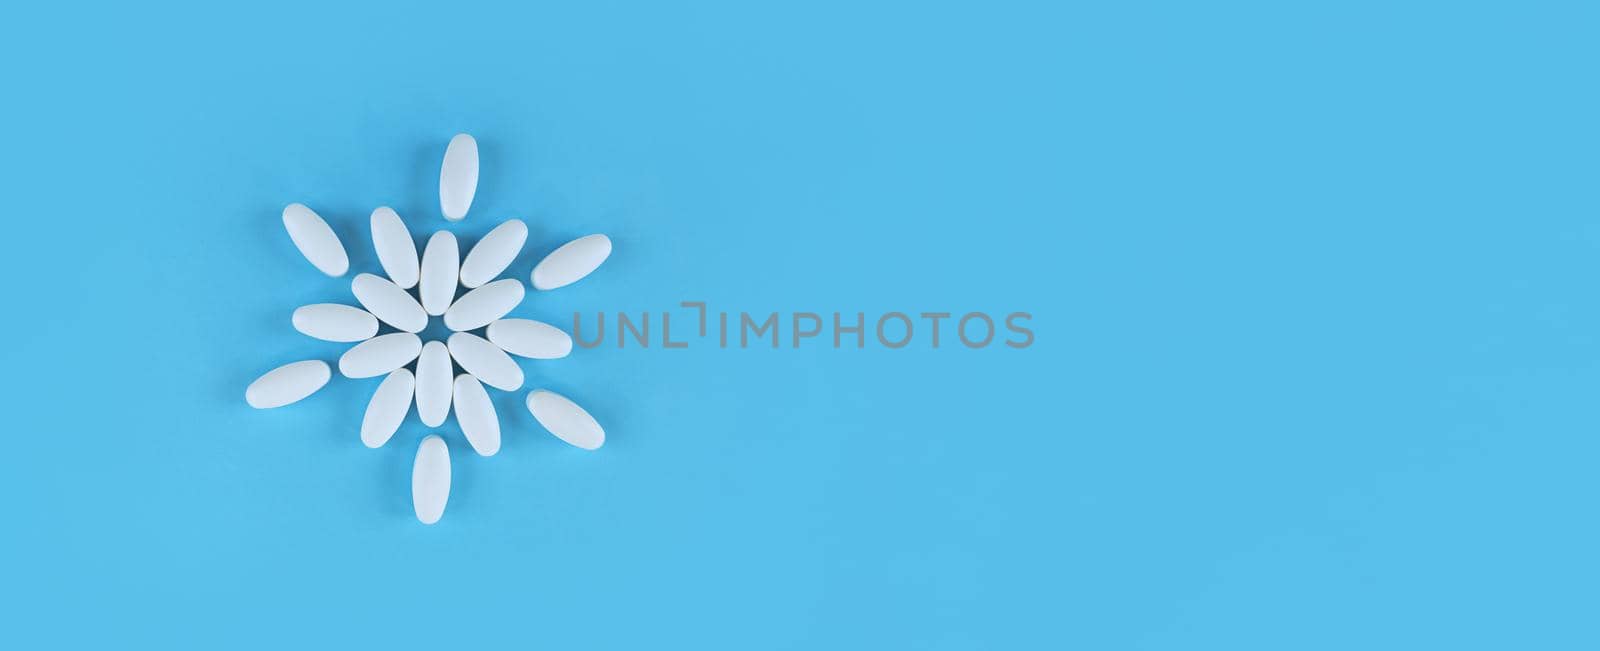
(483, 305)
(486, 361)
(335, 322)
(571, 262)
(430, 479)
(492, 254)
(287, 384)
(475, 414)
(387, 408)
(397, 252)
(315, 239)
(566, 419)
(458, 177)
(441, 267)
(380, 355)
(528, 338)
(389, 303)
(433, 384)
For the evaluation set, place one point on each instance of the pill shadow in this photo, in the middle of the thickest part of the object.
(422, 214)
(394, 476)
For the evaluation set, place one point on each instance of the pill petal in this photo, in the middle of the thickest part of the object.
(389, 303)
(380, 355)
(492, 254)
(287, 384)
(476, 415)
(334, 322)
(458, 177)
(387, 408)
(486, 361)
(430, 479)
(571, 262)
(441, 266)
(315, 239)
(528, 338)
(566, 419)
(483, 305)
(433, 384)
(397, 252)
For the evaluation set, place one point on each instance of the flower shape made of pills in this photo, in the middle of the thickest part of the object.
(473, 301)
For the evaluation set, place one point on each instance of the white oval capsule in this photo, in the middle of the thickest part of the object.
(483, 305)
(287, 384)
(475, 414)
(486, 361)
(315, 239)
(389, 303)
(388, 408)
(458, 177)
(430, 479)
(528, 338)
(380, 355)
(441, 266)
(335, 322)
(433, 384)
(397, 252)
(492, 254)
(571, 262)
(566, 419)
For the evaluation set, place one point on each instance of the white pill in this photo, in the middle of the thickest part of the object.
(566, 419)
(458, 177)
(492, 254)
(315, 239)
(441, 268)
(483, 305)
(486, 361)
(388, 408)
(397, 252)
(430, 479)
(433, 384)
(476, 415)
(528, 338)
(334, 322)
(287, 384)
(389, 303)
(380, 355)
(571, 262)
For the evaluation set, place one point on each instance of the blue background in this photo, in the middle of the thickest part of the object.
(1314, 289)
